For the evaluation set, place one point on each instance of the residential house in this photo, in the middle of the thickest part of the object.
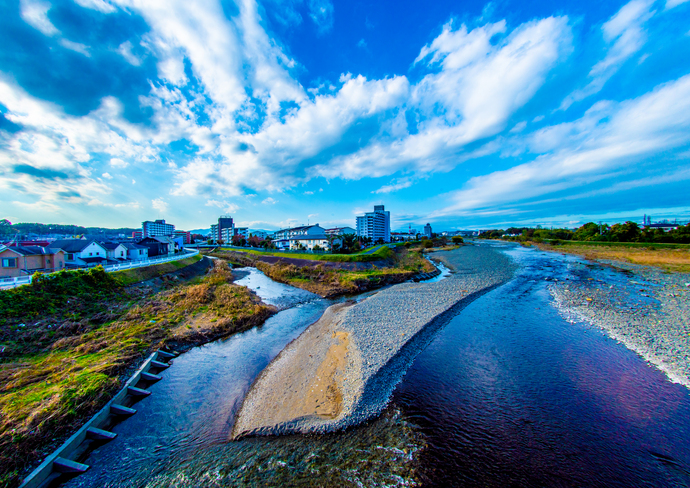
(158, 246)
(281, 238)
(309, 241)
(340, 231)
(115, 250)
(82, 252)
(26, 260)
(135, 252)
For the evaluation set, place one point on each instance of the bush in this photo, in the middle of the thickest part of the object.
(457, 240)
(427, 244)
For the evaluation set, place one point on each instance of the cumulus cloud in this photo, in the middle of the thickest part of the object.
(625, 34)
(394, 186)
(118, 163)
(160, 205)
(269, 201)
(107, 176)
(227, 207)
(35, 13)
(321, 12)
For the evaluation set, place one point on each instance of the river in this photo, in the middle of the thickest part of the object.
(511, 392)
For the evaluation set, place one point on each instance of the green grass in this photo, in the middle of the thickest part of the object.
(135, 275)
(382, 253)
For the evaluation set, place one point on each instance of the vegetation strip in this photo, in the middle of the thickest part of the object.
(68, 342)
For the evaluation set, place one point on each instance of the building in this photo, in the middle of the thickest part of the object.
(26, 260)
(157, 228)
(158, 246)
(82, 252)
(427, 231)
(227, 234)
(137, 234)
(135, 252)
(309, 241)
(115, 250)
(281, 238)
(375, 225)
(224, 222)
(186, 236)
(242, 232)
(259, 233)
(340, 231)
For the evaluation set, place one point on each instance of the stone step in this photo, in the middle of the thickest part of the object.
(62, 465)
(159, 365)
(100, 434)
(150, 377)
(122, 410)
(138, 392)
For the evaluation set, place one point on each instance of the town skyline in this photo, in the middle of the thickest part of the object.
(296, 112)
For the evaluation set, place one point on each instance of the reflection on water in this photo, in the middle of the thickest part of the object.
(510, 393)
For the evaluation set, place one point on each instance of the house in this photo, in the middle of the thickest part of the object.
(26, 260)
(158, 246)
(340, 231)
(309, 241)
(82, 252)
(281, 238)
(115, 250)
(135, 252)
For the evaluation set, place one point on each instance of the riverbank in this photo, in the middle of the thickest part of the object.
(342, 370)
(332, 279)
(68, 343)
(644, 308)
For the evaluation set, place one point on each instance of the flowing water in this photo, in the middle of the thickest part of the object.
(512, 392)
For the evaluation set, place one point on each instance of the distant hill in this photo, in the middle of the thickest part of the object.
(8, 229)
(203, 232)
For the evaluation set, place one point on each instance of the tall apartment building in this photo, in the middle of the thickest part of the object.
(375, 225)
(157, 228)
(217, 230)
(427, 231)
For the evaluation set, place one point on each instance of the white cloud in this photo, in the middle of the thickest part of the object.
(107, 176)
(118, 163)
(626, 31)
(479, 86)
(362, 44)
(674, 3)
(308, 192)
(76, 47)
(100, 5)
(160, 205)
(125, 50)
(269, 201)
(35, 13)
(227, 207)
(321, 12)
(609, 138)
(394, 186)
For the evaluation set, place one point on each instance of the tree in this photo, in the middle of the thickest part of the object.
(6, 227)
(350, 243)
(586, 232)
(457, 240)
(627, 232)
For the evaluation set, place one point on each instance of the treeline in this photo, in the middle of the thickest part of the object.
(9, 229)
(625, 232)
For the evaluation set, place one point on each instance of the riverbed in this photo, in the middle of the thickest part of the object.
(512, 391)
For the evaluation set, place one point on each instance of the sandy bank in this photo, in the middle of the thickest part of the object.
(342, 369)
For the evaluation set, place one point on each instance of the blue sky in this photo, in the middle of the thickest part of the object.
(462, 114)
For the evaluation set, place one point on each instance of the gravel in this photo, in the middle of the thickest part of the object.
(642, 307)
(385, 333)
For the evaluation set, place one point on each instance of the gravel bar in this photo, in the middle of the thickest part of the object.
(644, 308)
(342, 370)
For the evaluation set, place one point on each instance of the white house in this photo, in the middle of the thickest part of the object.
(282, 238)
(115, 250)
(82, 252)
(309, 241)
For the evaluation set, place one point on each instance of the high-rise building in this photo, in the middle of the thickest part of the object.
(224, 222)
(427, 231)
(375, 225)
(157, 228)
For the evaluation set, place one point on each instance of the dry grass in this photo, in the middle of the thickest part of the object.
(47, 395)
(671, 260)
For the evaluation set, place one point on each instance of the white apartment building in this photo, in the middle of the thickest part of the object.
(375, 225)
(157, 228)
(281, 238)
(427, 231)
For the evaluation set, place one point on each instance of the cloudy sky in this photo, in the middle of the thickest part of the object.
(279, 112)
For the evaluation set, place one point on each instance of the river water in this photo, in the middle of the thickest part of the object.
(511, 392)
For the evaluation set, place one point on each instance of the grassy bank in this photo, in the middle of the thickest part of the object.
(399, 265)
(382, 253)
(135, 275)
(55, 372)
(669, 257)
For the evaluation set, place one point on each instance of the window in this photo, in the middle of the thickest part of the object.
(9, 262)
(70, 257)
(90, 254)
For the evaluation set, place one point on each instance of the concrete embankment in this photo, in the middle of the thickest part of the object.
(342, 370)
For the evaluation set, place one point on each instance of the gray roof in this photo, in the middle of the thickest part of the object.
(33, 250)
(130, 245)
(72, 245)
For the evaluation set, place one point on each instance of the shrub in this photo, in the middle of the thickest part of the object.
(427, 244)
(457, 240)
